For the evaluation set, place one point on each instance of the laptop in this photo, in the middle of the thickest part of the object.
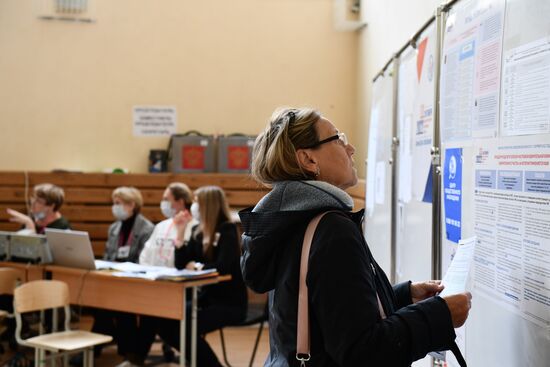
(69, 248)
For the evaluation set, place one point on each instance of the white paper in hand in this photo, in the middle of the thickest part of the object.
(456, 277)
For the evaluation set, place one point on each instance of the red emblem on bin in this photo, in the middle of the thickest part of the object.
(237, 157)
(192, 157)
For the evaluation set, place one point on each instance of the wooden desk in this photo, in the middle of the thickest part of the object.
(155, 298)
(28, 271)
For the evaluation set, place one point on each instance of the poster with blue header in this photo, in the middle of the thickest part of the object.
(452, 191)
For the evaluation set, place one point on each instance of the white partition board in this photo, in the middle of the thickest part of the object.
(379, 171)
(415, 132)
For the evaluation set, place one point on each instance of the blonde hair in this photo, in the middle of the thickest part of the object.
(213, 212)
(181, 191)
(129, 195)
(51, 194)
(274, 154)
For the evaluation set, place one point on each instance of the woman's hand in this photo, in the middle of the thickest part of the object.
(181, 220)
(459, 306)
(422, 290)
(20, 218)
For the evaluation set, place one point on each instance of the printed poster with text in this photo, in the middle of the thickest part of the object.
(415, 111)
(452, 193)
(512, 225)
(470, 70)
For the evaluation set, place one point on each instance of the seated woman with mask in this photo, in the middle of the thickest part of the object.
(214, 243)
(127, 236)
(171, 232)
(46, 201)
(159, 250)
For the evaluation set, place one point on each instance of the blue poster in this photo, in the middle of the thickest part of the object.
(452, 193)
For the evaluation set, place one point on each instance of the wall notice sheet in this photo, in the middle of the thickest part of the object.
(470, 71)
(422, 111)
(512, 224)
(456, 281)
(526, 89)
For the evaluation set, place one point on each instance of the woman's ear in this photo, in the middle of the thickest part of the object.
(306, 160)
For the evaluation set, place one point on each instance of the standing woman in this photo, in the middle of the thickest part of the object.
(213, 244)
(356, 318)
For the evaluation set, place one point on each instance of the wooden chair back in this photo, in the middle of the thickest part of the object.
(40, 295)
(9, 279)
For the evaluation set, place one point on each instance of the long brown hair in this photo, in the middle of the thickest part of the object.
(213, 211)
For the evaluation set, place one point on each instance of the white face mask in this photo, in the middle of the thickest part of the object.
(195, 212)
(166, 209)
(38, 216)
(119, 212)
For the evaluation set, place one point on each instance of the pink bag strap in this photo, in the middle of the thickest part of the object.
(303, 340)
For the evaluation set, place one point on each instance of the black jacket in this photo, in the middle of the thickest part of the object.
(343, 279)
(225, 260)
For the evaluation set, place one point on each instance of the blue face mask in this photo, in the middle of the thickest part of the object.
(166, 209)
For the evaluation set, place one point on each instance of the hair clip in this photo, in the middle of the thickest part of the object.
(291, 117)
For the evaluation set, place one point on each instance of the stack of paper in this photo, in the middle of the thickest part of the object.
(133, 270)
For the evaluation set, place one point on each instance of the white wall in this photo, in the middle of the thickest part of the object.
(67, 89)
(390, 24)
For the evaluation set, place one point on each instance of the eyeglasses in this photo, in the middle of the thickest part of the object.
(340, 136)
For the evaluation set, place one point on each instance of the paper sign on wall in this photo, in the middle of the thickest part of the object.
(154, 120)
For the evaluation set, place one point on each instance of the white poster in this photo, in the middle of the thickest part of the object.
(512, 225)
(470, 72)
(380, 185)
(526, 89)
(154, 120)
(371, 163)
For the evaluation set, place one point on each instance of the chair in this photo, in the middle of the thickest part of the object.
(40, 295)
(257, 313)
(9, 279)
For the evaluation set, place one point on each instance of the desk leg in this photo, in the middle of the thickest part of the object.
(182, 332)
(194, 329)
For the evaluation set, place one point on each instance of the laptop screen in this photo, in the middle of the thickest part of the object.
(71, 248)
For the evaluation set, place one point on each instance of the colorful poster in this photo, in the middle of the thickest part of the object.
(470, 71)
(452, 193)
(512, 225)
